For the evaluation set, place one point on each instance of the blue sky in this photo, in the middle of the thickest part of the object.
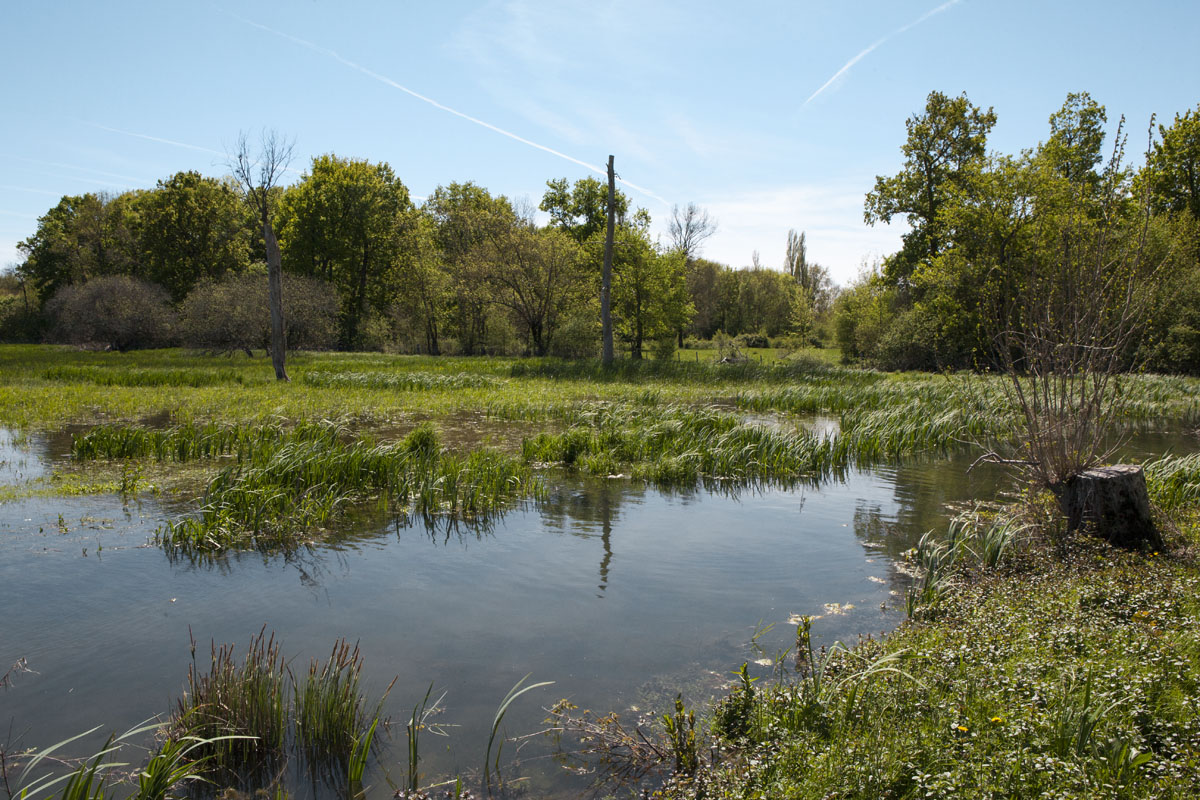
(772, 115)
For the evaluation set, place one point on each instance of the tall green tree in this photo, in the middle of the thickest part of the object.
(82, 237)
(538, 275)
(1173, 171)
(465, 216)
(944, 146)
(193, 228)
(1075, 146)
(581, 208)
(345, 221)
(650, 298)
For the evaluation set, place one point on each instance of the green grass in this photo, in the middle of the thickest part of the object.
(1066, 672)
(248, 717)
(287, 490)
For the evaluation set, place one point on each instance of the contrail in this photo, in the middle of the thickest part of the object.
(158, 139)
(388, 81)
(61, 165)
(864, 53)
(12, 188)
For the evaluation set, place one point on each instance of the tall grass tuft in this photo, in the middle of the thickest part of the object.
(278, 496)
(332, 716)
(399, 381)
(241, 706)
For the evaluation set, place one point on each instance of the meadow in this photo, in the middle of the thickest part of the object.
(1033, 662)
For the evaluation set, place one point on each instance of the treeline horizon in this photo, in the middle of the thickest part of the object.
(463, 272)
(990, 234)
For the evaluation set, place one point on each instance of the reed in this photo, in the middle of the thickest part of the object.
(124, 376)
(240, 706)
(399, 381)
(279, 496)
(332, 716)
(246, 718)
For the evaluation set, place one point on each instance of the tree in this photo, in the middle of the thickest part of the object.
(345, 222)
(537, 275)
(650, 299)
(81, 237)
(228, 315)
(581, 209)
(258, 179)
(192, 228)
(944, 146)
(1173, 171)
(1076, 142)
(464, 216)
(688, 230)
(425, 287)
(812, 278)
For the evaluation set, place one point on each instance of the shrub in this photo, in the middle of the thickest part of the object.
(117, 311)
(577, 337)
(232, 314)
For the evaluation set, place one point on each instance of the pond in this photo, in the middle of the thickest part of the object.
(622, 595)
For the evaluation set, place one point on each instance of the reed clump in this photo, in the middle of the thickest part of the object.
(254, 714)
(196, 441)
(133, 376)
(400, 381)
(282, 495)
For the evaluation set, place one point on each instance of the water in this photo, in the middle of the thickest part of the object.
(620, 594)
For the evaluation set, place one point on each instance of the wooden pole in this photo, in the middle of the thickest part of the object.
(606, 278)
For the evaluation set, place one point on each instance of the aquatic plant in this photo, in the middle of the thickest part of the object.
(330, 709)
(399, 381)
(240, 706)
(278, 496)
(126, 376)
(518, 689)
(247, 717)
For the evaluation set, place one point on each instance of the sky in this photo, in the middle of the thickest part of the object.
(770, 115)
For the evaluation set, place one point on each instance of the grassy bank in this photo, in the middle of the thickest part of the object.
(1070, 670)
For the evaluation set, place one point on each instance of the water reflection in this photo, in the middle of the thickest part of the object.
(623, 594)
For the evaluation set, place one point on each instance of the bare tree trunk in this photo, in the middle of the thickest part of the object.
(606, 278)
(275, 294)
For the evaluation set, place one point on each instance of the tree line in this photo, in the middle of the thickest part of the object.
(1068, 233)
(365, 267)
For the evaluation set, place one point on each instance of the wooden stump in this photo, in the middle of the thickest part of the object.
(1113, 503)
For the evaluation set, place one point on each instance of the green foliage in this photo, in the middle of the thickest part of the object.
(192, 229)
(362, 254)
(680, 728)
(944, 145)
(289, 489)
(581, 209)
(1174, 165)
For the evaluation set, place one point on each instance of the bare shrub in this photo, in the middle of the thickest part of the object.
(117, 311)
(233, 314)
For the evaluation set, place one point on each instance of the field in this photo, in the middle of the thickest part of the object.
(1033, 664)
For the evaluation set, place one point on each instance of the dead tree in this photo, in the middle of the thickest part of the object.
(259, 177)
(688, 230)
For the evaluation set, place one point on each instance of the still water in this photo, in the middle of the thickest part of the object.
(621, 594)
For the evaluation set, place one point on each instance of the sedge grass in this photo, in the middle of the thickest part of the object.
(247, 717)
(278, 496)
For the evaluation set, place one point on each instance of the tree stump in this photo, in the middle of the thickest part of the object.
(1113, 503)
